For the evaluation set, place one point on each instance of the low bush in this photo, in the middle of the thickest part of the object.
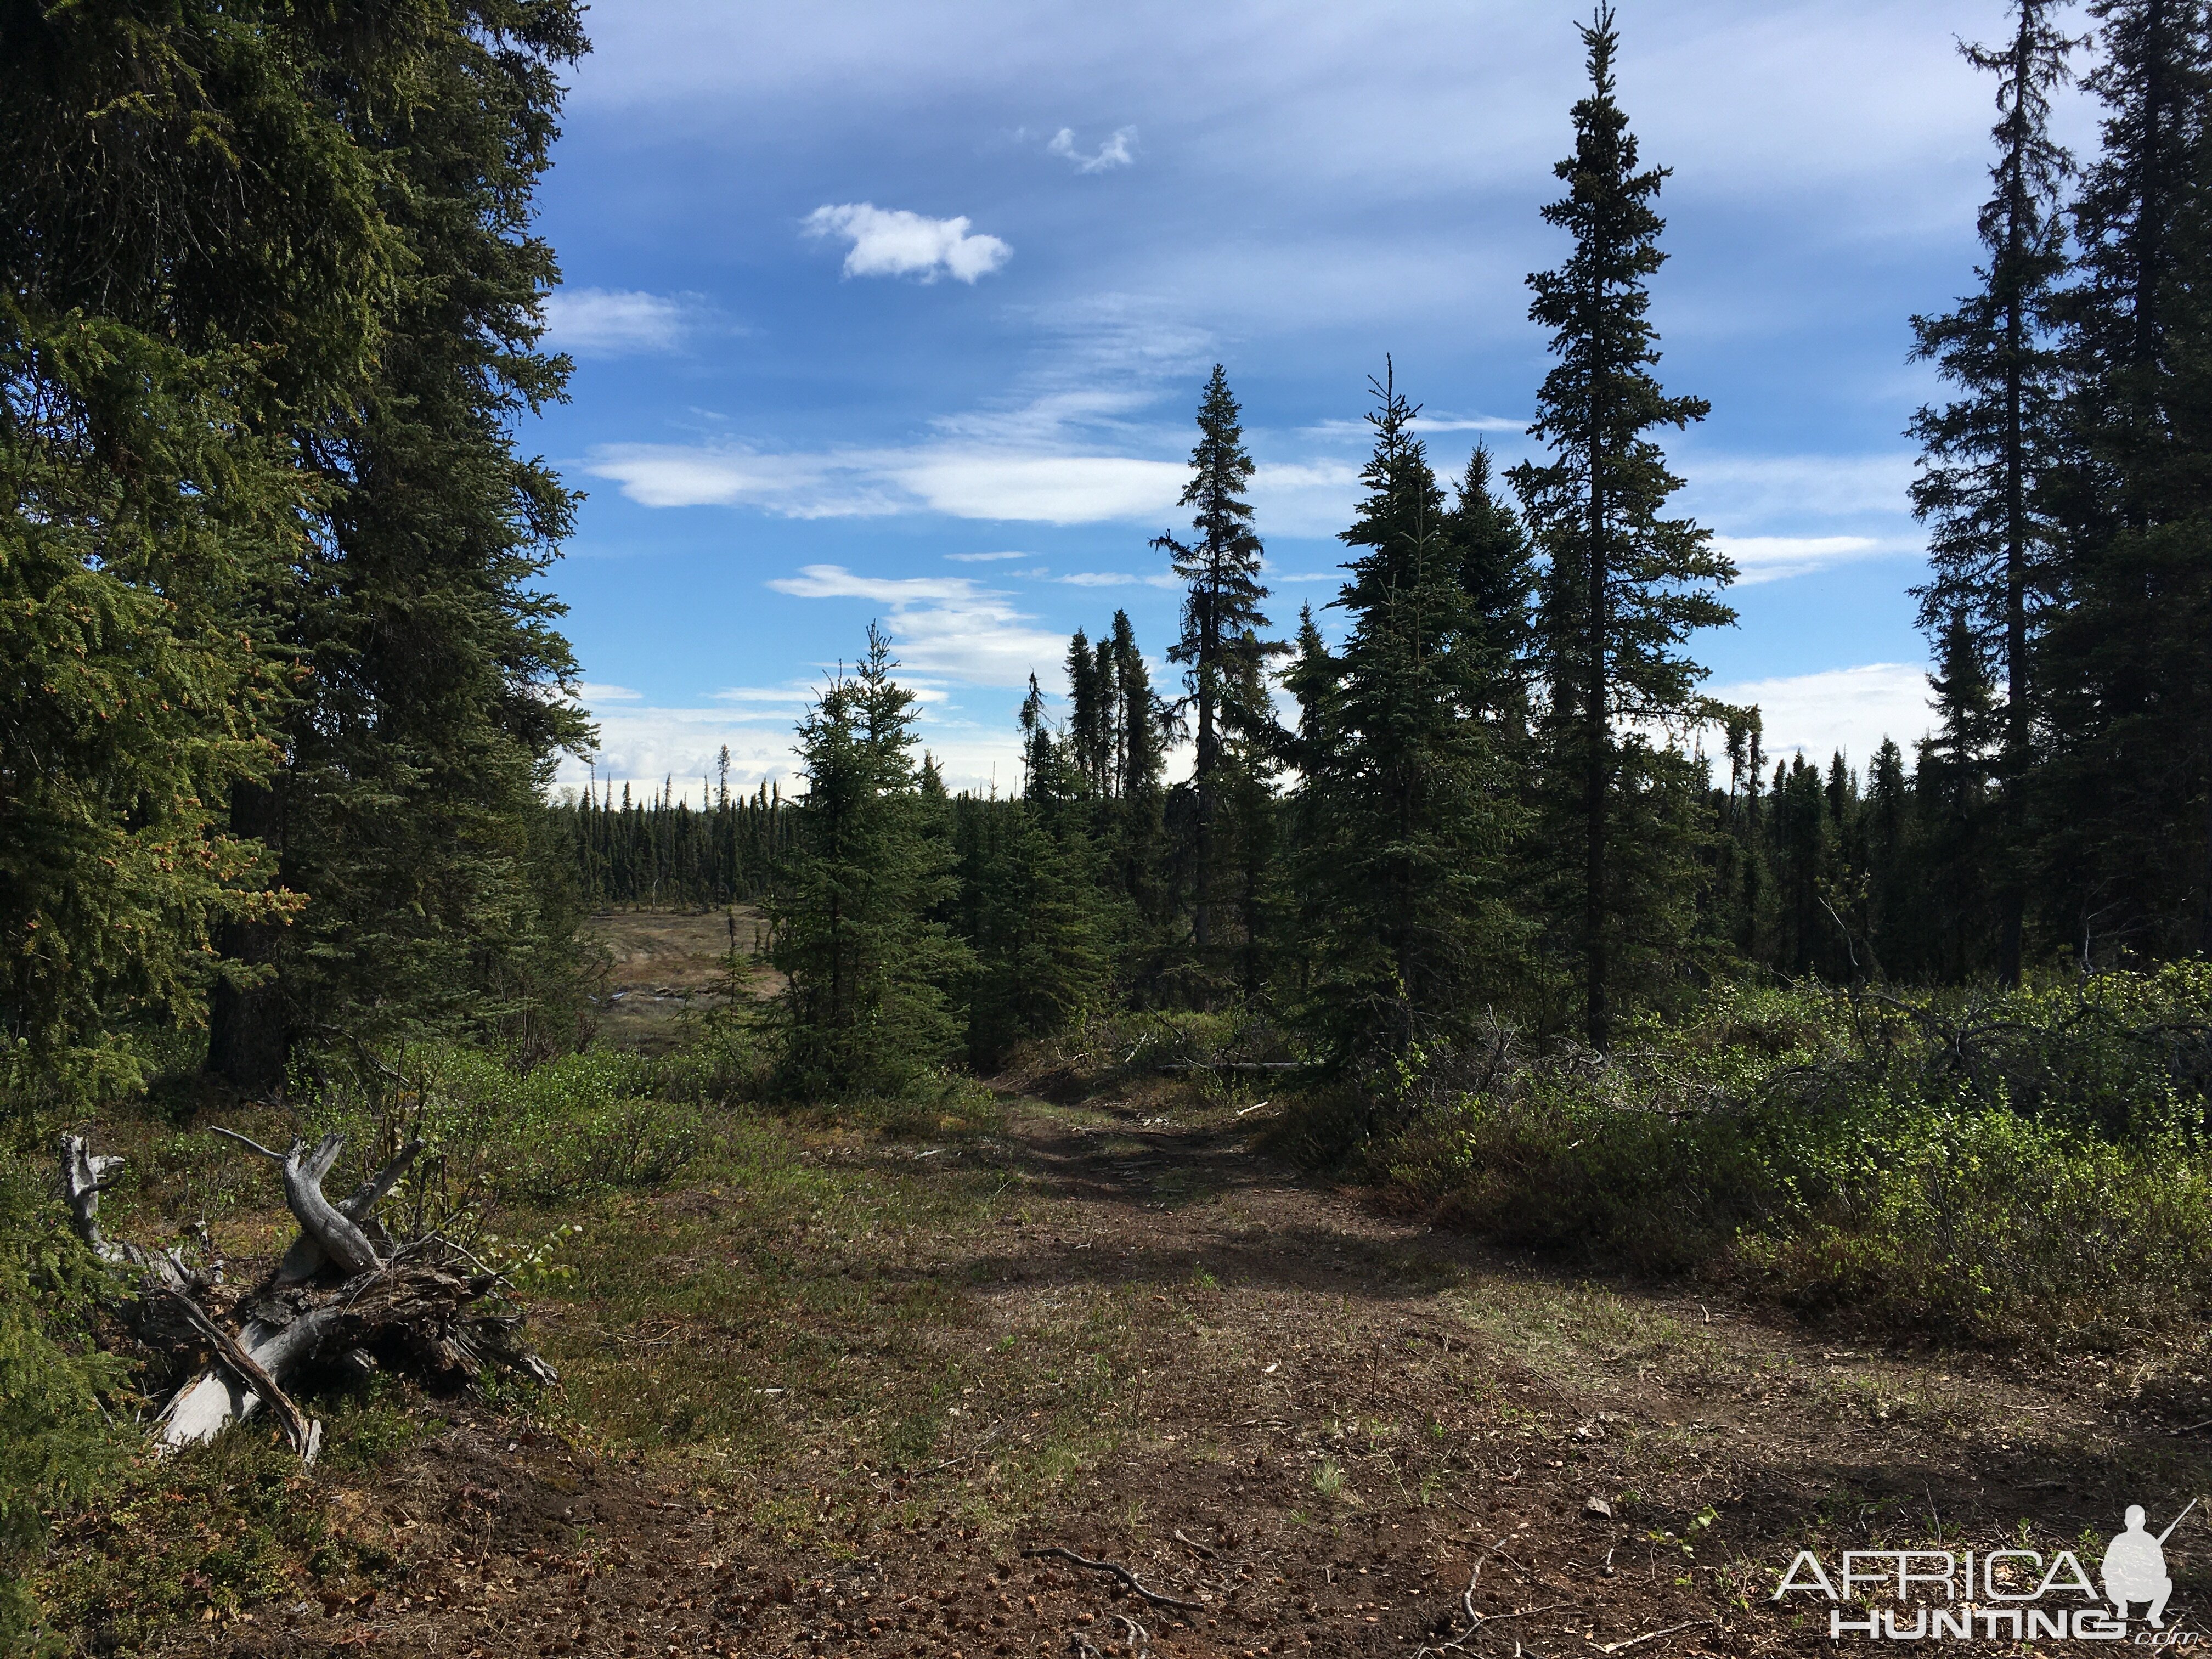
(2013, 1167)
(56, 1446)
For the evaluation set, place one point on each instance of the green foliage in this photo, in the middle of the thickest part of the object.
(142, 519)
(2031, 1166)
(1222, 651)
(421, 738)
(866, 1008)
(1034, 913)
(557, 1132)
(1406, 810)
(217, 1531)
(57, 1447)
(1624, 587)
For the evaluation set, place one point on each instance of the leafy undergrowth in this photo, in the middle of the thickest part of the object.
(2027, 1168)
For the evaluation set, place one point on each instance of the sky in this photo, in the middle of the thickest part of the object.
(900, 312)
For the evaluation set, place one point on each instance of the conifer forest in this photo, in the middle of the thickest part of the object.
(1456, 1039)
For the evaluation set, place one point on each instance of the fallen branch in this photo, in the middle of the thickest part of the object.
(305, 1434)
(1654, 1635)
(1128, 1579)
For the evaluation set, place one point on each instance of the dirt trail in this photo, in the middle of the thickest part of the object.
(1307, 1421)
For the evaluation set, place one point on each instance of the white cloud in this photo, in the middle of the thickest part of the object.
(1307, 498)
(1049, 488)
(1852, 709)
(1114, 152)
(893, 242)
(775, 697)
(643, 746)
(589, 693)
(1340, 428)
(834, 581)
(942, 625)
(1770, 558)
(605, 322)
(1116, 579)
(962, 481)
(983, 558)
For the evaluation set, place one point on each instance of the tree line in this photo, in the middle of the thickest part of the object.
(1501, 792)
(660, 850)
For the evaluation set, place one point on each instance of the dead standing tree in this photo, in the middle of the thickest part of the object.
(345, 1291)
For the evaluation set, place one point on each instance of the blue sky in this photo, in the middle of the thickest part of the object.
(901, 311)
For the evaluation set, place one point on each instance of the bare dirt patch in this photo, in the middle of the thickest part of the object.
(826, 1401)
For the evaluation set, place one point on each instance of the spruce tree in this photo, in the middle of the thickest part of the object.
(1985, 455)
(193, 259)
(853, 921)
(1136, 835)
(2126, 827)
(1624, 587)
(1497, 573)
(1221, 612)
(426, 723)
(1951, 796)
(1404, 813)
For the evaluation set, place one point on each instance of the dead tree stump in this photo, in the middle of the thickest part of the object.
(344, 1291)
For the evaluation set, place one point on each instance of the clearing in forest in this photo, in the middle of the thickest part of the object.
(840, 1391)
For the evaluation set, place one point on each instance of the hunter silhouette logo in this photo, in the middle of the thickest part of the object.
(2134, 1567)
(2006, 1594)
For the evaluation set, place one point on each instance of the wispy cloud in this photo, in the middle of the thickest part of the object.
(1117, 579)
(1425, 422)
(1771, 558)
(942, 625)
(962, 481)
(893, 242)
(983, 558)
(1852, 709)
(591, 693)
(606, 322)
(1114, 152)
(772, 698)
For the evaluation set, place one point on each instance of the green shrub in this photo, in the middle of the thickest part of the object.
(56, 1446)
(2024, 1166)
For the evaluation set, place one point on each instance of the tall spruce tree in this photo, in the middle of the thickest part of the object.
(2127, 660)
(1623, 588)
(854, 918)
(1221, 614)
(423, 729)
(1984, 456)
(1406, 812)
(194, 260)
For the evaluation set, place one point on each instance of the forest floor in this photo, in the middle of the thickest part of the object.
(831, 1394)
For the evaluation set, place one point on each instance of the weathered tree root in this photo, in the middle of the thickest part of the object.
(342, 1289)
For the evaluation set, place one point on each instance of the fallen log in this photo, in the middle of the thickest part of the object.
(343, 1288)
